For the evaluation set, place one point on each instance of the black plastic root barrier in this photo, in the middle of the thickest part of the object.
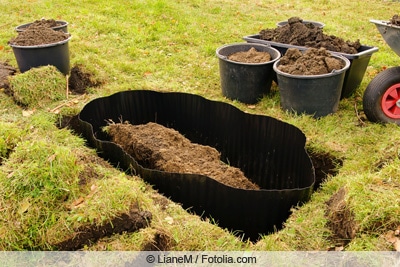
(270, 152)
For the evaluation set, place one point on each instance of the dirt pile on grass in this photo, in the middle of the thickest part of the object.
(156, 147)
(80, 80)
(295, 32)
(312, 62)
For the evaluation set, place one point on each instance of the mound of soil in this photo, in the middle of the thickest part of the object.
(295, 32)
(312, 62)
(250, 56)
(37, 34)
(80, 80)
(48, 23)
(156, 147)
(395, 20)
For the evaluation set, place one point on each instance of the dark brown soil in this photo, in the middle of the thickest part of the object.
(5, 71)
(250, 56)
(127, 222)
(297, 33)
(312, 62)
(395, 20)
(38, 35)
(325, 165)
(157, 147)
(80, 80)
(48, 23)
(161, 241)
(340, 218)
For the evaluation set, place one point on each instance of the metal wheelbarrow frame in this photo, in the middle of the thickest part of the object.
(381, 100)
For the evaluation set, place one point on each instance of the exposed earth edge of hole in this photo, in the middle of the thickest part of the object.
(160, 241)
(88, 235)
(325, 165)
(340, 219)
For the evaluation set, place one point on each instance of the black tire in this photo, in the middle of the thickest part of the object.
(374, 93)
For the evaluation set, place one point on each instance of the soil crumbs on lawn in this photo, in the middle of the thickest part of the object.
(295, 32)
(157, 147)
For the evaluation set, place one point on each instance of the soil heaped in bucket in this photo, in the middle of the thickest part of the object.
(300, 34)
(312, 62)
(57, 25)
(157, 147)
(37, 34)
(41, 46)
(311, 82)
(246, 71)
(250, 56)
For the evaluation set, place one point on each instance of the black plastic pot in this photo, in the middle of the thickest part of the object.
(354, 75)
(316, 95)
(245, 82)
(270, 152)
(56, 54)
(62, 26)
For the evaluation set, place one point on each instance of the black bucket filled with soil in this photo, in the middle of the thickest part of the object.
(39, 45)
(269, 152)
(246, 72)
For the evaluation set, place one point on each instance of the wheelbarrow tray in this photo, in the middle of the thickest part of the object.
(390, 33)
(354, 75)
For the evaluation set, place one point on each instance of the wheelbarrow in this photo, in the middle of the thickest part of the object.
(381, 99)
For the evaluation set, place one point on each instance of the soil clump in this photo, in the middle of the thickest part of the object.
(5, 71)
(295, 32)
(37, 34)
(80, 80)
(312, 62)
(395, 20)
(250, 56)
(156, 147)
(48, 23)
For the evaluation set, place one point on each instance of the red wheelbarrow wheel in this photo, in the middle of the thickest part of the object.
(381, 100)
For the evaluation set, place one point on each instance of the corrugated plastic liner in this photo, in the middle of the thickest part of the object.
(270, 152)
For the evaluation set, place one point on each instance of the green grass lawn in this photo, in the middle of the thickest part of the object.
(170, 46)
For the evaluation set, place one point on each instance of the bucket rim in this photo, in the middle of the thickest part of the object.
(319, 76)
(42, 45)
(225, 58)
